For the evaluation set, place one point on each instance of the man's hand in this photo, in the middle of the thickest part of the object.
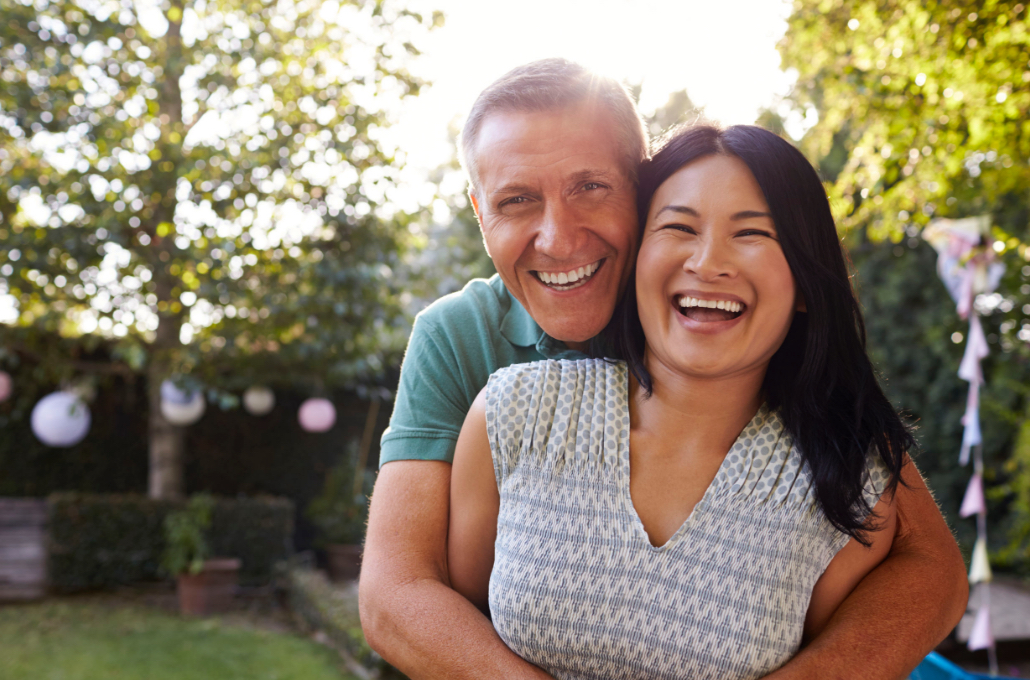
(409, 613)
(902, 609)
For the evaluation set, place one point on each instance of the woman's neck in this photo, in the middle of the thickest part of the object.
(695, 413)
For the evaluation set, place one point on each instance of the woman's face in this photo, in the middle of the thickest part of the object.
(714, 292)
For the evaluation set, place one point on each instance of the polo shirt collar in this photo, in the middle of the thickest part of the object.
(519, 328)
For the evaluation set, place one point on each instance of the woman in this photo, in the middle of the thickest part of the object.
(701, 508)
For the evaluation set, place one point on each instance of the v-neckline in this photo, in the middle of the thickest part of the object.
(627, 497)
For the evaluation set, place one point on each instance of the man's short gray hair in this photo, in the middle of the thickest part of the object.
(552, 85)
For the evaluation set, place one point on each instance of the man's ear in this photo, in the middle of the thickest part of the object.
(475, 206)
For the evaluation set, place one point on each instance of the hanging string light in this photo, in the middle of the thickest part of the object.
(967, 265)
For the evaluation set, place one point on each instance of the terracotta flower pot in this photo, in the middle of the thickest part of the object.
(344, 561)
(211, 590)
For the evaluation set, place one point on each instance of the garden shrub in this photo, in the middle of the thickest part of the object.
(102, 541)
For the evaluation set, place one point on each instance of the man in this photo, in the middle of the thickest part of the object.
(551, 152)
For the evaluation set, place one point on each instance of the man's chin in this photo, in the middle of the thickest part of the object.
(574, 334)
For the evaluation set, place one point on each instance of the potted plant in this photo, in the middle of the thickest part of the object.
(204, 584)
(339, 512)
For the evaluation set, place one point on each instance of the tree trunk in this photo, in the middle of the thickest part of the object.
(166, 479)
(166, 441)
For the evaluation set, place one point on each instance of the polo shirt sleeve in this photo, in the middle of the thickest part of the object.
(431, 401)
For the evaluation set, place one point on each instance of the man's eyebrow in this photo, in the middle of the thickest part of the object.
(587, 175)
(681, 209)
(513, 188)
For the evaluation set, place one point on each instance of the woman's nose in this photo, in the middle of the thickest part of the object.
(709, 260)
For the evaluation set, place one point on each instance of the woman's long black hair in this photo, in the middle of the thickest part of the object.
(820, 380)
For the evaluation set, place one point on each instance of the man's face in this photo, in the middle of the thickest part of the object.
(558, 212)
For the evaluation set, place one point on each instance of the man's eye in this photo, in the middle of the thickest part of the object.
(590, 186)
(515, 200)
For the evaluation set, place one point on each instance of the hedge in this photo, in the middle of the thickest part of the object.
(102, 541)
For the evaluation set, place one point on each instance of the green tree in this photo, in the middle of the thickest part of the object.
(205, 184)
(921, 113)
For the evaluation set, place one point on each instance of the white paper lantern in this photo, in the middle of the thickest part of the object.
(60, 419)
(258, 400)
(6, 386)
(181, 407)
(317, 415)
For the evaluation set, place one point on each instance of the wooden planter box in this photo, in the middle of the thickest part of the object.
(211, 590)
(344, 561)
(23, 569)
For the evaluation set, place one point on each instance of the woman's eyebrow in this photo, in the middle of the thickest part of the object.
(749, 214)
(681, 209)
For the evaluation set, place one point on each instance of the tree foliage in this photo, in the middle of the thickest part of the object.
(922, 112)
(213, 175)
(206, 184)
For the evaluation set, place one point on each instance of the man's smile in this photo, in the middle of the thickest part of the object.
(571, 279)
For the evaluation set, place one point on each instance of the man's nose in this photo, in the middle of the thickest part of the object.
(560, 233)
(709, 260)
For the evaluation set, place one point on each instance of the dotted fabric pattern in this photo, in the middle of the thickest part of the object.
(578, 589)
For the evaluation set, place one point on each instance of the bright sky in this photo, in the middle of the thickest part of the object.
(722, 53)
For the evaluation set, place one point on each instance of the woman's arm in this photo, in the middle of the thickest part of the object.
(475, 501)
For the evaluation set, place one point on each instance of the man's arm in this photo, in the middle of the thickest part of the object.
(902, 609)
(409, 613)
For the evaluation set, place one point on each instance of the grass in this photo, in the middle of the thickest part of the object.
(82, 639)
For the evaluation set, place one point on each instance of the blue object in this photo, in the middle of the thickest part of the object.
(936, 667)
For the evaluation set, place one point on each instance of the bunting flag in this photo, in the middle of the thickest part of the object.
(981, 637)
(980, 566)
(973, 502)
(967, 265)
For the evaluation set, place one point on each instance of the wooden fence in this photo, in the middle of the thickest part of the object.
(22, 548)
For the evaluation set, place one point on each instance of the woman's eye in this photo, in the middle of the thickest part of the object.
(755, 232)
(680, 227)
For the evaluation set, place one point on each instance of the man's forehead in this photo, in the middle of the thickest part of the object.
(578, 143)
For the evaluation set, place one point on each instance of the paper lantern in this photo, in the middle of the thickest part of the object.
(981, 637)
(258, 400)
(60, 419)
(181, 407)
(317, 415)
(980, 566)
(5, 386)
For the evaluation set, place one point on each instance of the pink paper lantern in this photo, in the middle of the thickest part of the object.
(6, 386)
(973, 502)
(317, 415)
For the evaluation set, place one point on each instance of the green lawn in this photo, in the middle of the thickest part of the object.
(89, 640)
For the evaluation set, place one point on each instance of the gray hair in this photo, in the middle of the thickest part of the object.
(551, 85)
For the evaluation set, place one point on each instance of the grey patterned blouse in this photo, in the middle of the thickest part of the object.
(578, 589)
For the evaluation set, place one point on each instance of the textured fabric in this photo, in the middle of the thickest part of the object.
(576, 586)
(455, 344)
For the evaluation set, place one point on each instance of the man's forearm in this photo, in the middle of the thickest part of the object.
(901, 610)
(409, 614)
(427, 630)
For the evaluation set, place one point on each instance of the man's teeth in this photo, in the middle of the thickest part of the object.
(728, 305)
(565, 278)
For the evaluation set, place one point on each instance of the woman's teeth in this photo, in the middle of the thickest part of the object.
(687, 302)
(570, 279)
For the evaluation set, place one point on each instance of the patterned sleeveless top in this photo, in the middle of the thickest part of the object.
(578, 589)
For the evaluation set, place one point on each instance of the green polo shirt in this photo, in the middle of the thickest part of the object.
(456, 343)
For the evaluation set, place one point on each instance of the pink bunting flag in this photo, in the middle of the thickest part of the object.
(973, 502)
(976, 349)
(981, 636)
